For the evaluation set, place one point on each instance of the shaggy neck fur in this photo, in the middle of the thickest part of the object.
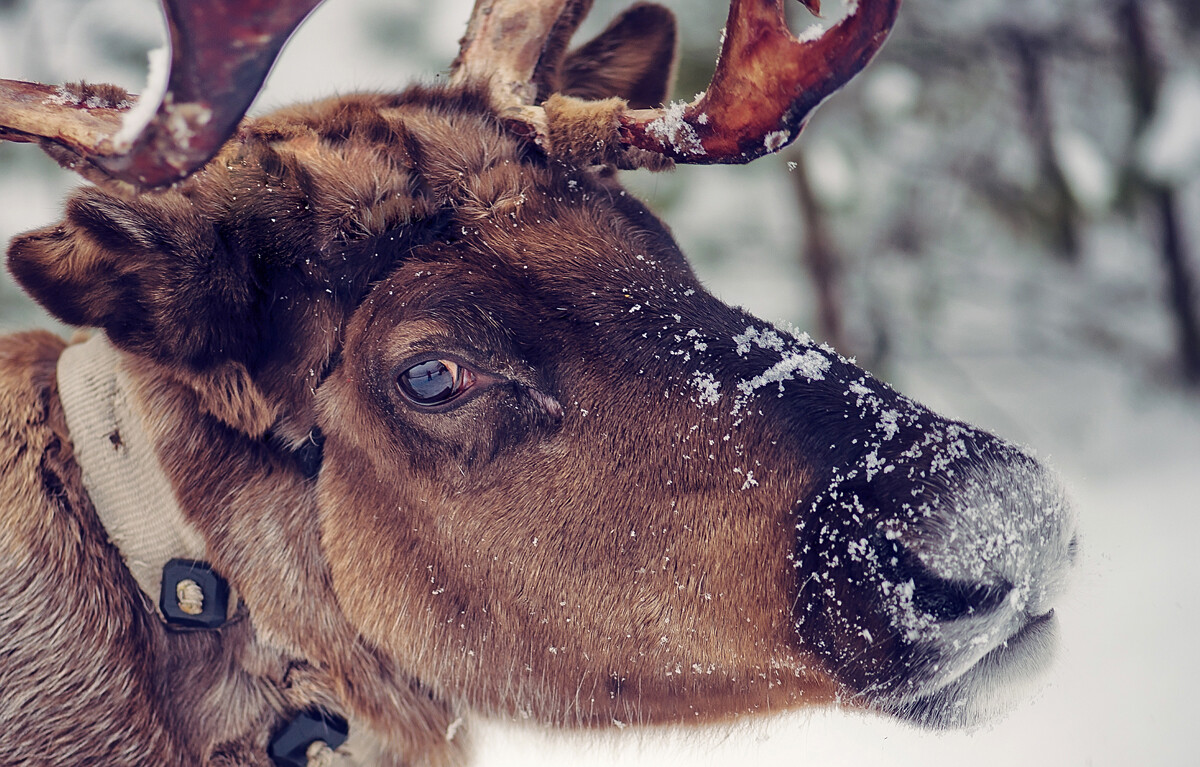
(112, 431)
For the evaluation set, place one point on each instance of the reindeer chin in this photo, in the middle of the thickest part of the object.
(991, 687)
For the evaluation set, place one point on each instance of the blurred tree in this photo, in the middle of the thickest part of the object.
(1145, 65)
(820, 255)
(992, 132)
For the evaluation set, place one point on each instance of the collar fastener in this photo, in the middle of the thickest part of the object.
(193, 595)
(309, 740)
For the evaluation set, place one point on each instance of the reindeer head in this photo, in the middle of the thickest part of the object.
(558, 478)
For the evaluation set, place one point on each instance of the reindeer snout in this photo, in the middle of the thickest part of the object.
(932, 575)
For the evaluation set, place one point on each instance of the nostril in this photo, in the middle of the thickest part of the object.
(949, 600)
(941, 598)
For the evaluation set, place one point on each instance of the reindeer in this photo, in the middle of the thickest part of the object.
(398, 410)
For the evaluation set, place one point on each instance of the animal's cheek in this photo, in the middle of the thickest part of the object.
(371, 547)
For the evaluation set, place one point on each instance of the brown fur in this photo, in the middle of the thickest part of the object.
(582, 540)
(264, 521)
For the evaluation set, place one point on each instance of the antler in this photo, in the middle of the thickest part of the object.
(766, 84)
(221, 52)
(506, 40)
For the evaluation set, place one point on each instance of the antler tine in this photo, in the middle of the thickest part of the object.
(221, 52)
(507, 40)
(766, 84)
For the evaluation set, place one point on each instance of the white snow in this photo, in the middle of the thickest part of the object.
(889, 423)
(672, 130)
(750, 481)
(811, 33)
(809, 364)
(905, 615)
(62, 96)
(709, 386)
(147, 103)
(776, 140)
(763, 339)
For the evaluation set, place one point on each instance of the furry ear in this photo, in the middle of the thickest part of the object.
(149, 271)
(157, 279)
(634, 59)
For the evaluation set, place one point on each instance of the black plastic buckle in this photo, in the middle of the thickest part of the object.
(213, 608)
(289, 747)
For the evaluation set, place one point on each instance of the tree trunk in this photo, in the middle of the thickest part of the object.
(1146, 83)
(820, 257)
(1062, 211)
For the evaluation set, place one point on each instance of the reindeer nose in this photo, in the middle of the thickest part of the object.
(933, 598)
(943, 599)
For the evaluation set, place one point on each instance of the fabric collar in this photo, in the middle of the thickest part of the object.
(133, 497)
(121, 472)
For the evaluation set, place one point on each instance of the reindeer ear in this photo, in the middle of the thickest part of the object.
(149, 271)
(158, 280)
(633, 59)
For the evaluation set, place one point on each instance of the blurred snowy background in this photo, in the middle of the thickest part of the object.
(1001, 217)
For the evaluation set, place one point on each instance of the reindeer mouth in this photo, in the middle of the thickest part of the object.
(989, 687)
(951, 655)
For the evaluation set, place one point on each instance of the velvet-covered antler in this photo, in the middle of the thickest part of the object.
(221, 52)
(766, 84)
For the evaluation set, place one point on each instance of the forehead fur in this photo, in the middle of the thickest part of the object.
(326, 200)
(327, 174)
(369, 177)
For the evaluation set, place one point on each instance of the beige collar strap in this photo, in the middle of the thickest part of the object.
(137, 506)
(121, 472)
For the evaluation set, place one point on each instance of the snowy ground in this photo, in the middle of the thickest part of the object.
(1121, 692)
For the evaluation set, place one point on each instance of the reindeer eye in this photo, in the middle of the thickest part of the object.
(434, 382)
